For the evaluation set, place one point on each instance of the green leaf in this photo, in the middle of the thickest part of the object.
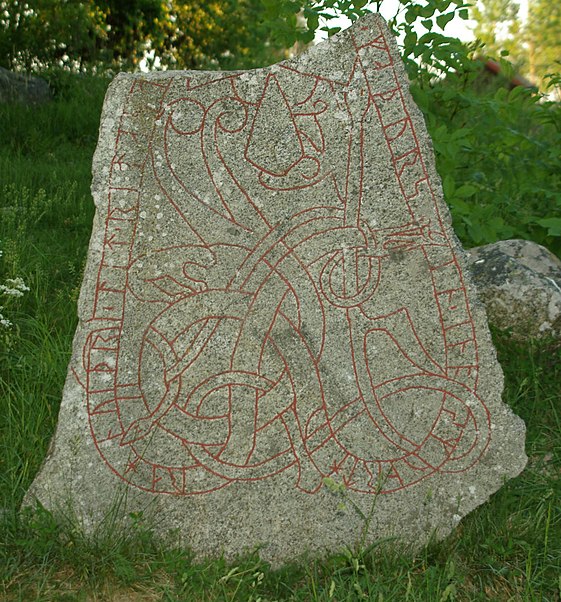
(410, 41)
(459, 207)
(448, 186)
(307, 37)
(463, 14)
(313, 22)
(443, 20)
(501, 94)
(427, 11)
(517, 92)
(331, 31)
(418, 49)
(411, 14)
(420, 97)
(553, 225)
(465, 191)
(476, 232)
(462, 133)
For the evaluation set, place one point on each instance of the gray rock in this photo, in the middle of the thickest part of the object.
(519, 282)
(25, 89)
(276, 317)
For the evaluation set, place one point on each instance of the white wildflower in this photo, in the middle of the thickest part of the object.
(12, 287)
(4, 321)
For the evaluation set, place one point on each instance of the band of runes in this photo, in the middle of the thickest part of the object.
(244, 316)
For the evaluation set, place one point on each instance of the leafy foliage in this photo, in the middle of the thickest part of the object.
(45, 32)
(498, 157)
(533, 42)
(497, 25)
(496, 149)
(222, 34)
(101, 34)
(543, 38)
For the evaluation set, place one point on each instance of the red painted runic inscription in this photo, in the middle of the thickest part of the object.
(246, 321)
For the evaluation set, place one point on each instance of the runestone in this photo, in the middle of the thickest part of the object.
(276, 317)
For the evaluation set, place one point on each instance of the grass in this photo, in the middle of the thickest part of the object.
(507, 549)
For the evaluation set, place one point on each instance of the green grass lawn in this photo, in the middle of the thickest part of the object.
(507, 549)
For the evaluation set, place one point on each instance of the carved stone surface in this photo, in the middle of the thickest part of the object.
(274, 297)
(519, 282)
